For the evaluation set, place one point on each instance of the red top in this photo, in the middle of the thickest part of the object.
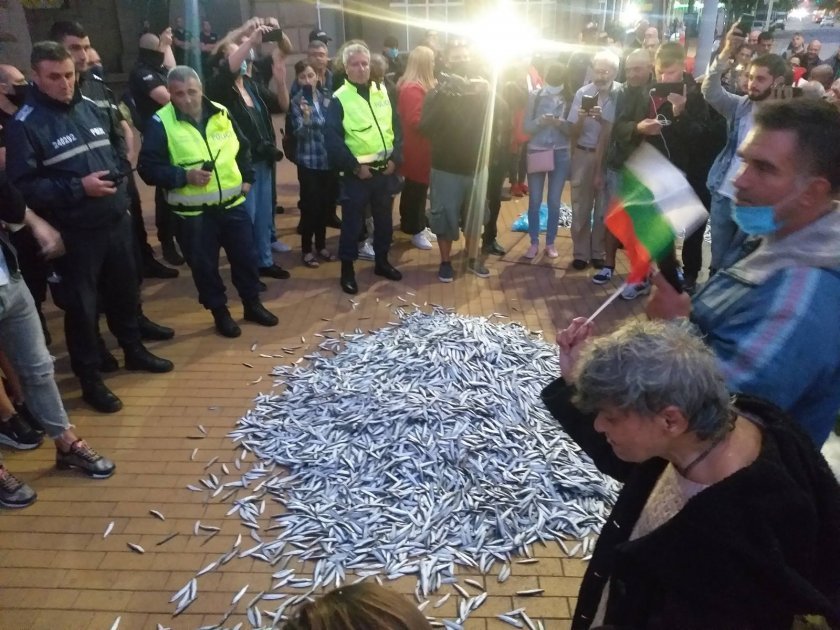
(417, 152)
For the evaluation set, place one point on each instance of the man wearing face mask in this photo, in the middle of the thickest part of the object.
(771, 316)
(765, 73)
(391, 52)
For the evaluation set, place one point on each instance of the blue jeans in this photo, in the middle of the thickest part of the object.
(356, 194)
(259, 205)
(201, 238)
(22, 341)
(556, 182)
(724, 230)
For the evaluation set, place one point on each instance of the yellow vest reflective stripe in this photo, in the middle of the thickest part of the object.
(189, 150)
(368, 131)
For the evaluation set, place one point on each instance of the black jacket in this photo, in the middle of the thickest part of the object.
(147, 74)
(749, 552)
(12, 210)
(52, 146)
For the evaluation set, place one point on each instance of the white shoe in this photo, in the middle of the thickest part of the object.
(280, 247)
(430, 236)
(420, 241)
(366, 251)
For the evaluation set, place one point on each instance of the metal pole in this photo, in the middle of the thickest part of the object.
(708, 20)
(769, 15)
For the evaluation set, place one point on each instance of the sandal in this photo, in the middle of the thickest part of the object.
(310, 261)
(325, 254)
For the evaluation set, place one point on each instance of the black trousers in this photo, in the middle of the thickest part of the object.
(202, 236)
(317, 203)
(356, 195)
(166, 221)
(495, 180)
(519, 166)
(692, 251)
(33, 267)
(136, 209)
(98, 272)
(413, 207)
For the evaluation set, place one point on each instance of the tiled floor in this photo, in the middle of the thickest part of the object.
(57, 571)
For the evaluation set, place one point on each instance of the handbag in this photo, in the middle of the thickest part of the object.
(541, 161)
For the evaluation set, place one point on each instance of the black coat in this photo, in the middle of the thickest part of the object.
(749, 552)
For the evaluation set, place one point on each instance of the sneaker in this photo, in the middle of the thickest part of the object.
(532, 251)
(366, 251)
(280, 247)
(430, 236)
(550, 251)
(18, 434)
(420, 241)
(84, 458)
(476, 266)
(632, 291)
(13, 492)
(603, 276)
(29, 419)
(445, 272)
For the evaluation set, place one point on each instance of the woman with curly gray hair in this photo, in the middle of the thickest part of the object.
(729, 517)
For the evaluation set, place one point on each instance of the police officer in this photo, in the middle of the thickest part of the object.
(363, 141)
(193, 149)
(69, 162)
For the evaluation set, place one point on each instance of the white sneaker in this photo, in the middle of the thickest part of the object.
(632, 291)
(420, 241)
(280, 247)
(430, 236)
(366, 251)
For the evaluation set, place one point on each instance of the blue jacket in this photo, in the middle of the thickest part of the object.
(540, 103)
(773, 320)
(53, 146)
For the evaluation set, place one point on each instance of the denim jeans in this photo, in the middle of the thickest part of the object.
(260, 207)
(22, 341)
(203, 236)
(724, 230)
(556, 182)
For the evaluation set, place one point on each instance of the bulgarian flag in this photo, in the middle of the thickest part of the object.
(654, 203)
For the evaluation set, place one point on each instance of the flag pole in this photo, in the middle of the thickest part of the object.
(609, 301)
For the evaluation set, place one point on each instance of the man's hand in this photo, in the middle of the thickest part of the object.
(678, 102)
(665, 302)
(197, 177)
(305, 110)
(272, 22)
(571, 341)
(165, 39)
(364, 172)
(595, 113)
(246, 188)
(734, 39)
(546, 119)
(390, 168)
(256, 37)
(95, 186)
(649, 127)
(780, 93)
(52, 245)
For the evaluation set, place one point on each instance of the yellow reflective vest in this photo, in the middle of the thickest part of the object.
(368, 128)
(189, 150)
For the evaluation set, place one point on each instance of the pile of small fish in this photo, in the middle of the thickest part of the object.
(409, 451)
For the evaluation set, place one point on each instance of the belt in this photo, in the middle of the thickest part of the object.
(583, 148)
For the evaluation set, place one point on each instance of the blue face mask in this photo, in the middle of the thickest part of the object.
(243, 68)
(756, 220)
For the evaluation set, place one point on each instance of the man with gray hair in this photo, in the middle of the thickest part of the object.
(593, 109)
(195, 152)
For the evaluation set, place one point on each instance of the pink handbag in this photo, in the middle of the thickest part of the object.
(541, 161)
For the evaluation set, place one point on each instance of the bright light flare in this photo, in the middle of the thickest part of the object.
(798, 13)
(501, 36)
(630, 15)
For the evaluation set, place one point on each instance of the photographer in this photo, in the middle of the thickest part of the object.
(251, 105)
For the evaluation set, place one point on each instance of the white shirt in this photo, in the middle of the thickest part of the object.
(592, 128)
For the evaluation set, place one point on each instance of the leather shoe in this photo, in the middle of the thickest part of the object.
(579, 264)
(274, 271)
(259, 314)
(97, 395)
(494, 248)
(107, 362)
(386, 270)
(597, 263)
(138, 358)
(150, 331)
(225, 325)
(348, 278)
(170, 253)
(154, 269)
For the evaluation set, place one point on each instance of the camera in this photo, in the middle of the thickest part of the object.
(266, 151)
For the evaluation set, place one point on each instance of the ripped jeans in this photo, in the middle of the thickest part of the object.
(22, 340)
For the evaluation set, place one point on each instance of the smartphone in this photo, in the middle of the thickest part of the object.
(208, 166)
(662, 90)
(745, 23)
(588, 102)
(307, 91)
(274, 36)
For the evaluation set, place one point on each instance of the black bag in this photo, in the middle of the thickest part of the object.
(289, 140)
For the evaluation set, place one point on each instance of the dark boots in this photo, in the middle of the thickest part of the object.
(348, 278)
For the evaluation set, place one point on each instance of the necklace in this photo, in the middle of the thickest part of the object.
(705, 453)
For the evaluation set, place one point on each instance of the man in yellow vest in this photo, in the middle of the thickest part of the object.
(193, 149)
(363, 139)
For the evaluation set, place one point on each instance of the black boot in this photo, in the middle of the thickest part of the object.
(138, 358)
(97, 395)
(386, 270)
(259, 314)
(107, 361)
(225, 325)
(150, 331)
(348, 278)
(154, 269)
(170, 253)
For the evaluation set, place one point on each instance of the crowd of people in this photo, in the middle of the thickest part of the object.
(757, 142)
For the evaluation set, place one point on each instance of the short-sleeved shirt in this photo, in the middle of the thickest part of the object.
(141, 82)
(592, 128)
(205, 38)
(179, 53)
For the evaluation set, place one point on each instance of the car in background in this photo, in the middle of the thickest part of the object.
(828, 20)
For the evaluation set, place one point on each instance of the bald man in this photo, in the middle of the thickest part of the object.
(13, 88)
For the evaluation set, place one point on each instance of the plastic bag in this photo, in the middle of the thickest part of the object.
(521, 223)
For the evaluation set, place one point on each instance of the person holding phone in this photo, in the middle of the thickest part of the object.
(308, 117)
(592, 111)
